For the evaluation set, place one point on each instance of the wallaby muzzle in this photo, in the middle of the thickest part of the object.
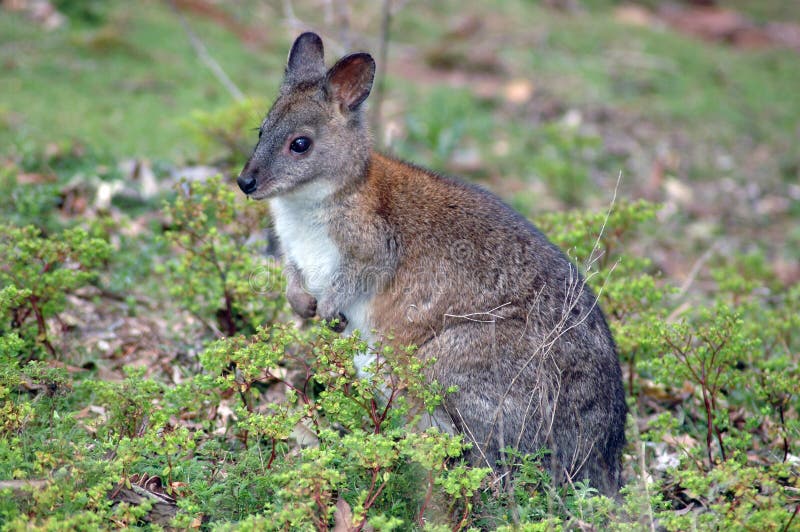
(247, 181)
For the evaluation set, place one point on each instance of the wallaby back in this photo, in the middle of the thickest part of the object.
(382, 245)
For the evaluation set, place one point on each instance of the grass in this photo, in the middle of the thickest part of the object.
(126, 86)
(710, 100)
(703, 87)
(760, 11)
(123, 87)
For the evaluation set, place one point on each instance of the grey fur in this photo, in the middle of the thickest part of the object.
(446, 266)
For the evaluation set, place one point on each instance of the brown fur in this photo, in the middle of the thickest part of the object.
(445, 266)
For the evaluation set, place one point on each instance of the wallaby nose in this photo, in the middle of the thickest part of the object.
(247, 182)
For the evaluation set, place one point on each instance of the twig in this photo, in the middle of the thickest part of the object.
(380, 82)
(20, 488)
(489, 312)
(425, 502)
(474, 440)
(789, 523)
(205, 57)
(695, 270)
(643, 467)
(592, 259)
(42, 326)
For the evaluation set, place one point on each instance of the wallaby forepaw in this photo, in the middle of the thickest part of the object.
(304, 305)
(328, 310)
(338, 323)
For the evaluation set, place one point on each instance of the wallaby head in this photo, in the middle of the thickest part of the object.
(315, 130)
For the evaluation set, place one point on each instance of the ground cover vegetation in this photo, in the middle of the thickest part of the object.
(152, 375)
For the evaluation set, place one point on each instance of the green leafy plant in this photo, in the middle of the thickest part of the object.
(705, 353)
(357, 447)
(438, 126)
(227, 134)
(38, 273)
(220, 273)
(733, 353)
(24, 204)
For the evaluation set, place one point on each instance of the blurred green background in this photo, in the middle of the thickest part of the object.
(545, 102)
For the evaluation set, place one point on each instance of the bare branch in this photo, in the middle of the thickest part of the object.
(205, 57)
(380, 82)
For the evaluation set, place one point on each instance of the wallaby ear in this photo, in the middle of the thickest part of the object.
(350, 80)
(306, 59)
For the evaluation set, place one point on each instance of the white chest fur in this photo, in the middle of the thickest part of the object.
(303, 233)
(301, 226)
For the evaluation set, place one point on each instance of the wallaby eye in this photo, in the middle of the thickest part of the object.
(260, 132)
(300, 145)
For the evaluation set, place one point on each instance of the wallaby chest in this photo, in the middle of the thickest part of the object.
(302, 223)
(302, 229)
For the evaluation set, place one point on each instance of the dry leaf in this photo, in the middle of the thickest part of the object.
(342, 517)
(633, 15)
(32, 178)
(518, 91)
(683, 441)
(303, 435)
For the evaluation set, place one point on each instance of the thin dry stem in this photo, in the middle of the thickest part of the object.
(205, 56)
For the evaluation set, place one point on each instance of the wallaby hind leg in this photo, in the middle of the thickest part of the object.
(512, 393)
(490, 407)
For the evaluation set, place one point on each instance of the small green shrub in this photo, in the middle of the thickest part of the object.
(228, 134)
(29, 204)
(725, 353)
(704, 352)
(220, 273)
(440, 123)
(734, 353)
(41, 443)
(336, 436)
(15, 415)
(38, 273)
(562, 157)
